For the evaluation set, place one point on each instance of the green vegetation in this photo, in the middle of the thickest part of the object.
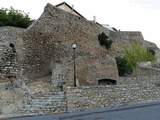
(136, 54)
(104, 40)
(123, 67)
(12, 17)
(151, 51)
(133, 56)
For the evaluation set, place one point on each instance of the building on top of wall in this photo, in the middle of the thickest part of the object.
(66, 7)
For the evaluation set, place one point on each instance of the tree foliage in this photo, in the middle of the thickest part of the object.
(136, 54)
(104, 40)
(123, 67)
(12, 17)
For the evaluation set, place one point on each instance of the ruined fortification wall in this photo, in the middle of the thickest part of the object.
(43, 100)
(30, 99)
(140, 79)
(129, 36)
(8, 63)
(122, 40)
(11, 99)
(9, 35)
(84, 98)
(48, 41)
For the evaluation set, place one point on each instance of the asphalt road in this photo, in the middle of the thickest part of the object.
(150, 111)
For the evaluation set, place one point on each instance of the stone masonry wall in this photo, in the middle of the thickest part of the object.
(124, 39)
(141, 80)
(84, 98)
(8, 66)
(127, 36)
(47, 48)
(42, 99)
(34, 98)
(8, 54)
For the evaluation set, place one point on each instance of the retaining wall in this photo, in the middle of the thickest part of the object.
(84, 98)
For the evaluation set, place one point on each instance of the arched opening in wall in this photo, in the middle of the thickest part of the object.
(107, 82)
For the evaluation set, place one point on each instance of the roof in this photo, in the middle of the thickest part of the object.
(109, 27)
(64, 3)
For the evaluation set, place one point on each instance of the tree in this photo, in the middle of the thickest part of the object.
(123, 67)
(12, 17)
(136, 54)
(104, 40)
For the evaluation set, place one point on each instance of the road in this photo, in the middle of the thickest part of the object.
(150, 111)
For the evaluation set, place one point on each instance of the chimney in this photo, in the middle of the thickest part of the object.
(72, 8)
(94, 19)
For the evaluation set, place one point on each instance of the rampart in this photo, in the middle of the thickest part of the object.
(48, 52)
(47, 57)
(129, 36)
(83, 98)
(75, 98)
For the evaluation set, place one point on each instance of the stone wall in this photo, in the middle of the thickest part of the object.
(148, 71)
(11, 99)
(127, 36)
(84, 98)
(36, 98)
(140, 79)
(9, 35)
(122, 40)
(8, 68)
(45, 53)
(8, 51)
(47, 48)
(40, 97)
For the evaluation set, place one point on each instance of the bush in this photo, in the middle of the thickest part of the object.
(136, 54)
(104, 40)
(123, 67)
(151, 51)
(12, 17)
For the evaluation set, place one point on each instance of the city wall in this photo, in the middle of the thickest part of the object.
(85, 98)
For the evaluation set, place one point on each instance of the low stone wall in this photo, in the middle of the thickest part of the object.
(42, 99)
(84, 98)
(152, 71)
(139, 79)
(34, 98)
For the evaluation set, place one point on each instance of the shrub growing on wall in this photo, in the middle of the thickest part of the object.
(136, 54)
(12, 17)
(104, 40)
(151, 51)
(123, 67)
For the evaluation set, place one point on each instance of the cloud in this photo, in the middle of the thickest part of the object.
(150, 4)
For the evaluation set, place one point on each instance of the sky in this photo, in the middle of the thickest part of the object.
(126, 15)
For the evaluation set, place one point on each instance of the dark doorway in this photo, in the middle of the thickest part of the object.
(107, 82)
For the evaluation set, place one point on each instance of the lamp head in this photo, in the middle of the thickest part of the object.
(74, 45)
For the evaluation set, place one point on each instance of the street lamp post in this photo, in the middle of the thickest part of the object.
(74, 46)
